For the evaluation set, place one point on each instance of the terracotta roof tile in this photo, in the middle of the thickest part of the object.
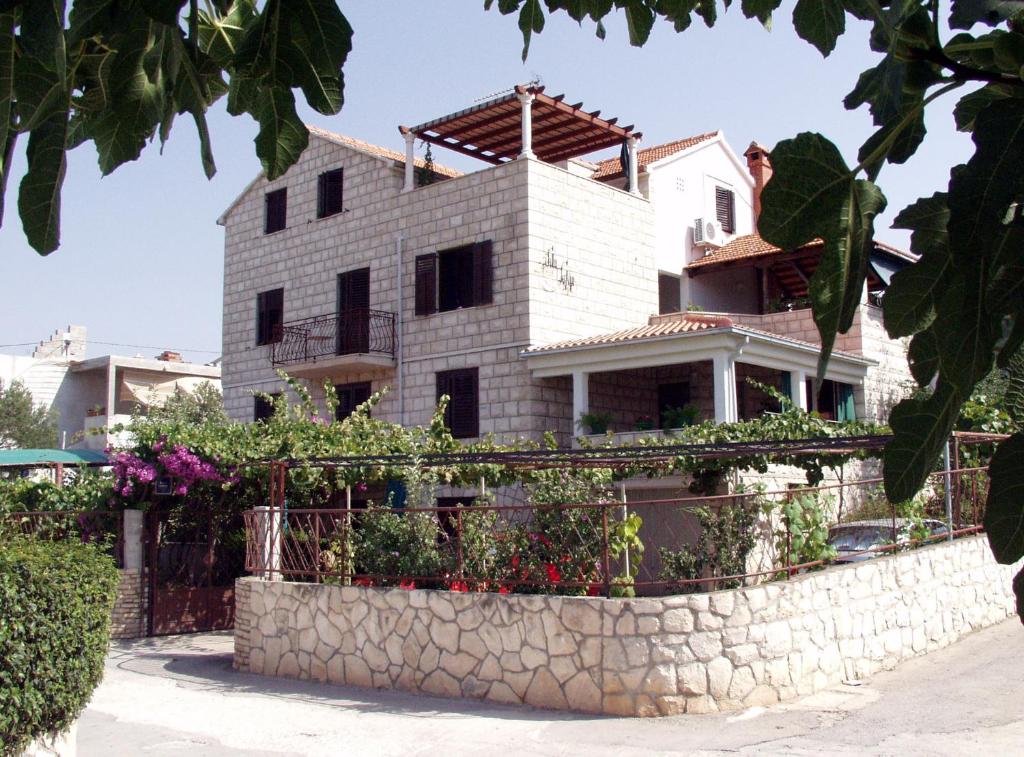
(668, 325)
(611, 168)
(377, 151)
(742, 248)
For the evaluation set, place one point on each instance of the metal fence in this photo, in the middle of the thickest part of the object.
(581, 548)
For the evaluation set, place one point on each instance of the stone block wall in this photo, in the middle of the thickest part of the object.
(636, 657)
(128, 620)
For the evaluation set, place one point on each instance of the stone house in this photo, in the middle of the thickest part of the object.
(538, 289)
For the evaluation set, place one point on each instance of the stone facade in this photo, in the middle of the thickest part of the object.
(636, 657)
(128, 619)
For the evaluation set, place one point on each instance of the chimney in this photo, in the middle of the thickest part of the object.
(169, 356)
(760, 168)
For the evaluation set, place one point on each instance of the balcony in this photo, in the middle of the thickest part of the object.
(330, 345)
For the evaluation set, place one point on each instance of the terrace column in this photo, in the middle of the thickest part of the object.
(132, 530)
(410, 161)
(580, 397)
(724, 371)
(526, 100)
(634, 180)
(269, 528)
(798, 389)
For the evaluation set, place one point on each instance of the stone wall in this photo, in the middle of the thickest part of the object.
(128, 620)
(639, 657)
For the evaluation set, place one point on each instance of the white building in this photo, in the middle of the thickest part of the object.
(539, 288)
(94, 394)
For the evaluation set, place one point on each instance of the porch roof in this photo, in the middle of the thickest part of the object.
(687, 338)
(492, 131)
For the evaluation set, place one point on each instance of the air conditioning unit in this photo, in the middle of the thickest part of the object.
(707, 232)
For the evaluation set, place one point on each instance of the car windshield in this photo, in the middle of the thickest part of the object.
(860, 538)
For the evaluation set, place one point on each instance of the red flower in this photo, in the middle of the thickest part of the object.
(407, 584)
(363, 582)
(594, 590)
(503, 590)
(458, 586)
(553, 574)
(515, 561)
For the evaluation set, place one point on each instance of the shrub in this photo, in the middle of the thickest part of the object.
(55, 604)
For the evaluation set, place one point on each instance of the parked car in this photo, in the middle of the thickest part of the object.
(851, 540)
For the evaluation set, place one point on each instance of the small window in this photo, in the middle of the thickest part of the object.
(462, 416)
(276, 211)
(461, 277)
(329, 193)
(351, 396)
(725, 209)
(668, 293)
(269, 316)
(835, 401)
(263, 408)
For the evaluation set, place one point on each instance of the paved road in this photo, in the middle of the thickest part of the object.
(179, 696)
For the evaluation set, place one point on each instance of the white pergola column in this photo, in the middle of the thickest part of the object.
(580, 396)
(526, 101)
(634, 180)
(724, 370)
(410, 161)
(798, 389)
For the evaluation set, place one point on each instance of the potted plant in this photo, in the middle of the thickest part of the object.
(595, 423)
(678, 417)
(95, 411)
(644, 423)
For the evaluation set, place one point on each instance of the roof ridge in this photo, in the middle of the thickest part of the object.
(376, 150)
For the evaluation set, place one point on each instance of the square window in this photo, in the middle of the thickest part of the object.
(330, 193)
(461, 277)
(462, 416)
(276, 211)
(269, 316)
(668, 293)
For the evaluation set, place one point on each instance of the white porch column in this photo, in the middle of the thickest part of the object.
(410, 161)
(269, 530)
(580, 397)
(526, 100)
(634, 180)
(724, 370)
(132, 531)
(798, 389)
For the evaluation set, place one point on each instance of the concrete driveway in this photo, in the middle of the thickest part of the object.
(179, 696)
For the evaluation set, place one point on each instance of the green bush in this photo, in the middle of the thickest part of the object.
(55, 604)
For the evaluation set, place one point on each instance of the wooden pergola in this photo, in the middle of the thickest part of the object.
(521, 124)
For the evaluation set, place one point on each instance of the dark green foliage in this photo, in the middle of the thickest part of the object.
(55, 604)
(21, 423)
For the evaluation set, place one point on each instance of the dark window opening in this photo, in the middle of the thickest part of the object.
(462, 416)
(263, 407)
(672, 404)
(834, 402)
(330, 193)
(354, 312)
(351, 396)
(449, 521)
(276, 211)
(668, 293)
(461, 277)
(269, 316)
(725, 209)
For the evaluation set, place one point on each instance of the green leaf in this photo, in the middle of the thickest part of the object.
(909, 303)
(221, 36)
(923, 356)
(1005, 289)
(820, 22)
(320, 41)
(1018, 589)
(967, 333)
(282, 136)
(89, 18)
(531, 20)
(969, 106)
(966, 13)
(39, 193)
(881, 88)
(813, 194)
(920, 429)
(6, 99)
(164, 11)
(1014, 397)
(761, 10)
(1004, 511)
(639, 21)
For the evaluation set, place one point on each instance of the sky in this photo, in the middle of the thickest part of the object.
(141, 257)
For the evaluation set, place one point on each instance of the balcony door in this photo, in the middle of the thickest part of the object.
(354, 311)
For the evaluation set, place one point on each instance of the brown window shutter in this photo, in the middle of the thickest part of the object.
(483, 273)
(462, 415)
(725, 208)
(426, 284)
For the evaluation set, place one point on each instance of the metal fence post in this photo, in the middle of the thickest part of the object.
(949, 494)
(605, 557)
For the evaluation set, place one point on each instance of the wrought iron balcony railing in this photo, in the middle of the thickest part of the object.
(351, 332)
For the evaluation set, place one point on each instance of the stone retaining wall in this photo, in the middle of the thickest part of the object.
(691, 653)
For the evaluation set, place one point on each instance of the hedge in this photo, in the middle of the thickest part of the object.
(55, 605)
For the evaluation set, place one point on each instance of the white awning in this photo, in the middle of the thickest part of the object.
(154, 392)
